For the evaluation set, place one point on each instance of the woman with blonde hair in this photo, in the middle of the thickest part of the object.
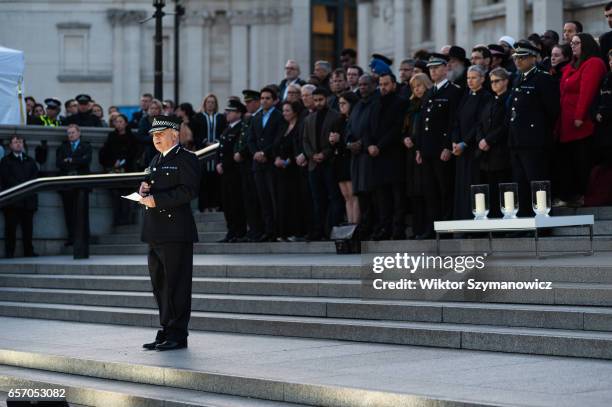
(214, 124)
(419, 84)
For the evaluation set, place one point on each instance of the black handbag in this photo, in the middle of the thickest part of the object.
(346, 238)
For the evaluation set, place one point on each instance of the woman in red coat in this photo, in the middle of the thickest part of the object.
(579, 86)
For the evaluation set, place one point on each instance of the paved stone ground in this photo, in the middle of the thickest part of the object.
(487, 377)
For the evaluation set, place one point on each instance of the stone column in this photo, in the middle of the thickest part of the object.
(547, 15)
(239, 58)
(515, 19)
(401, 30)
(416, 25)
(364, 32)
(463, 24)
(300, 36)
(126, 55)
(195, 81)
(440, 23)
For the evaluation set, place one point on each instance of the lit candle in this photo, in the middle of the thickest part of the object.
(541, 201)
(509, 201)
(480, 203)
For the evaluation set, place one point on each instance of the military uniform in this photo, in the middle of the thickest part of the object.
(231, 187)
(438, 113)
(534, 108)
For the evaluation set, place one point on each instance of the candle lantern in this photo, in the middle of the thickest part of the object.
(540, 197)
(508, 199)
(480, 201)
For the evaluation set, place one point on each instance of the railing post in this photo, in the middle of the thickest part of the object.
(81, 224)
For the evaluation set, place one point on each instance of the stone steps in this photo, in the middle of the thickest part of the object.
(557, 342)
(130, 238)
(534, 316)
(94, 391)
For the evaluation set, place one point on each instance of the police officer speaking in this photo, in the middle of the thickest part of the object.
(173, 180)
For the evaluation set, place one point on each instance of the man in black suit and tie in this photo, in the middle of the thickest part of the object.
(262, 134)
(73, 157)
(173, 181)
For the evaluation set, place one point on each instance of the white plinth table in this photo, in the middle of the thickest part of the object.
(512, 225)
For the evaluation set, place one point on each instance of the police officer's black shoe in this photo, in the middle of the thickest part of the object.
(171, 345)
(151, 345)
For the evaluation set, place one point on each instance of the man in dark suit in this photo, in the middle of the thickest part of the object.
(534, 109)
(84, 117)
(172, 182)
(73, 157)
(292, 77)
(229, 170)
(145, 102)
(327, 199)
(433, 142)
(262, 133)
(605, 40)
(16, 168)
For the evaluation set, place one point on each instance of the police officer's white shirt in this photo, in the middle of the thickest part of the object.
(440, 84)
(234, 123)
(170, 149)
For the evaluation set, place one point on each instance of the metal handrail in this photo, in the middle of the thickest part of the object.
(58, 183)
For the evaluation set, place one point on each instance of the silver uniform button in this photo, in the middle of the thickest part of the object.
(154, 169)
(426, 128)
(532, 125)
(169, 216)
(167, 173)
(152, 181)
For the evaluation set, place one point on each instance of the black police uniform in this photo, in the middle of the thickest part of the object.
(81, 159)
(170, 231)
(15, 170)
(86, 119)
(247, 178)
(231, 186)
(534, 108)
(438, 113)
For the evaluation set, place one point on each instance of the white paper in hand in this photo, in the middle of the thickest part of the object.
(134, 196)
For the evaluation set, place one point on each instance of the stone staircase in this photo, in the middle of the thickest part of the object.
(305, 290)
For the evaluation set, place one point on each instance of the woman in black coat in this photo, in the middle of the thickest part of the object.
(465, 144)
(492, 139)
(286, 174)
(118, 155)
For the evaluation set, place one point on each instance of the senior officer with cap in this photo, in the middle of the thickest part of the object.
(84, 117)
(51, 119)
(433, 142)
(534, 108)
(172, 182)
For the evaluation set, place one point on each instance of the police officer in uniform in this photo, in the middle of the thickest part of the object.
(244, 158)
(433, 142)
(84, 117)
(228, 169)
(172, 182)
(51, 119)
(534, 108)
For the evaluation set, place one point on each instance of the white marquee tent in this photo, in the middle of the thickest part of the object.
(12, 105)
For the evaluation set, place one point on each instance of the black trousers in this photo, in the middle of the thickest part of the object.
(328, 204)
(303, 209)
(390, 201)
(250, 200)
(232, 202)
(171, 270)
(368, 215)
(69, 203)
(573, 167)
(527, 166)
(266, 191)
(287, 201)
(438, 188)
(209, 196)
(12, 218)
(418, 213)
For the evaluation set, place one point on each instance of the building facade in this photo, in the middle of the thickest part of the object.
(105, 47)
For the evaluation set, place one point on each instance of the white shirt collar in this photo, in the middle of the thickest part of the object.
(170, 149)
(441, 84)
(234, 123)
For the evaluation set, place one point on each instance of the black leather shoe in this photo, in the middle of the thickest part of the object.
(171, 345)
(151, 345)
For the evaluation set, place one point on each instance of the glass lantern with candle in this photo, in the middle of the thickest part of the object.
(540, 197)
(508, 199)
(480, 201)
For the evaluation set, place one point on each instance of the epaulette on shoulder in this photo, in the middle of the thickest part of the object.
(457, 86)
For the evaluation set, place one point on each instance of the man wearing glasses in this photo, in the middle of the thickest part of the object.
(534, 108)
(292, 77)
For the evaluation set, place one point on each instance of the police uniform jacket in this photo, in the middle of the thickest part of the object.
(81, 158)
(604, 108)
(438, 114)
(174, 181)
(15, 171)
(225, 152)
(242, 143)
(262, 138)
(86, 119)
(534, 108)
